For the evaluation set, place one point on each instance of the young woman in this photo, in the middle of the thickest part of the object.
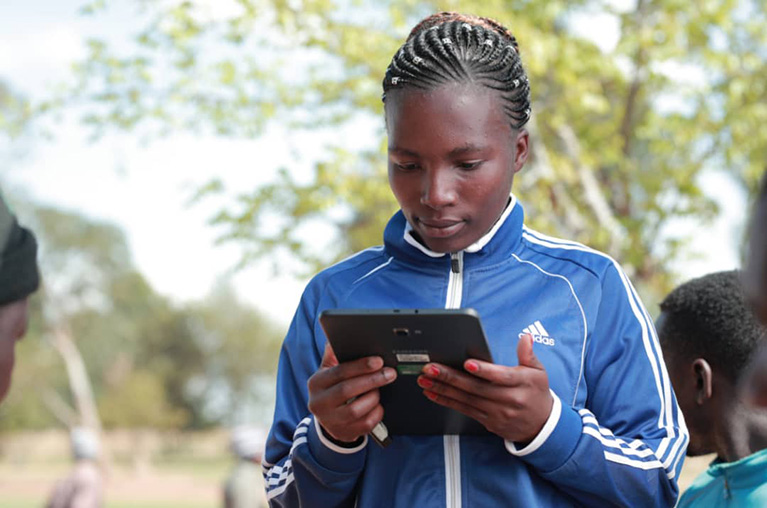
(578, 401)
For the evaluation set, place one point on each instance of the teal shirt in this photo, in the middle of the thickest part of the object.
(742, 483)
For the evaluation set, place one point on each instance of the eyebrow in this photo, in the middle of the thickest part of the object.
(402, 151)
(467, 148)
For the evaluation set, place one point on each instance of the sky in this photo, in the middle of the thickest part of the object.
(145, 189)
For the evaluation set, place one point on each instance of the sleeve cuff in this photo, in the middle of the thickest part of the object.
(332, 456)
(555, 442)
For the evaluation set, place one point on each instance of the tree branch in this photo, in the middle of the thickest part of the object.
(63, 412)
(593, 194)
(78, 376)
(539, 168)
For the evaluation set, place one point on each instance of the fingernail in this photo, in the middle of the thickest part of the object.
(472, 366)
(425, 382)
(389, 373)
(430, 395)
(432, 370)
(374, 362)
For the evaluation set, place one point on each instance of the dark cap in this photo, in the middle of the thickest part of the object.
(19, 276)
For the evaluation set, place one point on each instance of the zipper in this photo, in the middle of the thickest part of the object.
(455, 281)
(452, 444)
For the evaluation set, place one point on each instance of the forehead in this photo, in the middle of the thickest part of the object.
(450, 111)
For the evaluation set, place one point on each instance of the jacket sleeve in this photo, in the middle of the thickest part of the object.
(626, 447)
(301, 466)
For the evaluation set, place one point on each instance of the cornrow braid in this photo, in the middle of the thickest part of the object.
(450, 47)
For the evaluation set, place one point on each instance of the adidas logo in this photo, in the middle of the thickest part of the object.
(539, 333)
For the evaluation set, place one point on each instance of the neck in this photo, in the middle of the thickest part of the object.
(741, 432)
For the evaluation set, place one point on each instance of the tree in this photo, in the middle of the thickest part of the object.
(123, 354)
(15, 111)
(620, 138)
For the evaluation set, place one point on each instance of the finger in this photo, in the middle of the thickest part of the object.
(476, 400)
(461, 407)
(329, 376)
(351, 430)
(502, 375)
(448, 376)
(365, 424)
(525, 354)
(340, 393)
(359, 407)
(328, 357)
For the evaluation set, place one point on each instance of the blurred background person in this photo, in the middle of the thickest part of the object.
(83, 487)
(19, 277)
(708, 335)
(244, 487)
(755, 272)
(755, 285)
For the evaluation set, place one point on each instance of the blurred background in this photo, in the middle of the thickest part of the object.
(186, 165)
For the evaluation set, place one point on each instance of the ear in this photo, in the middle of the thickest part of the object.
(704, 387)
(521, 148)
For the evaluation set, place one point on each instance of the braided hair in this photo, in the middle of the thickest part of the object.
(456, 48)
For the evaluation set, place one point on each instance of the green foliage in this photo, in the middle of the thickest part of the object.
(144, 355)
(240, 350)
(140, 401)
(620, 138)
(15, 112)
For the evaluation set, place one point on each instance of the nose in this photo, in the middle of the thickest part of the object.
(438, 189)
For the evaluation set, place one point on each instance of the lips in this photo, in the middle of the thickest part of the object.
(440, 227)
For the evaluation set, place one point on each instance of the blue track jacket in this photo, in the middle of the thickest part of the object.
(615, 437)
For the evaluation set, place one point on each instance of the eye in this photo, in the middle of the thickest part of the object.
(469, 165)
(406, 166)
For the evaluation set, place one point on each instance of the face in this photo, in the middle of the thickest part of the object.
(452, 160)
(13, 326)
(685, 381)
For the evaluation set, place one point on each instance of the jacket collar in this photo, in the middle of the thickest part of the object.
(495, 245)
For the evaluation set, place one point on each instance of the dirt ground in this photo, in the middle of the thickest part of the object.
(172, 470)
(161, 487)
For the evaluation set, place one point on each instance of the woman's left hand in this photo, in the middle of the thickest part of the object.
(512, 402)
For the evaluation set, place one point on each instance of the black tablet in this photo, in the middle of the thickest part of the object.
(407, 339)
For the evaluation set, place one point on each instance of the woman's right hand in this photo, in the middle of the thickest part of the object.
(344, 397)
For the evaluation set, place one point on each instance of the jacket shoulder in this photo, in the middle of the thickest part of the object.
(348, 270)
(566, 254)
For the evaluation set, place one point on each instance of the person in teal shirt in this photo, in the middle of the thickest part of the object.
(742, 483)
(709, 334)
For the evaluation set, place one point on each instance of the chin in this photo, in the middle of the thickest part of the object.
(446, 247)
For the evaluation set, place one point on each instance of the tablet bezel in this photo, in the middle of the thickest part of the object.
(407, 339)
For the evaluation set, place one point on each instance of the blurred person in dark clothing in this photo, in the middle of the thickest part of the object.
(754, 381)
(19, 277)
